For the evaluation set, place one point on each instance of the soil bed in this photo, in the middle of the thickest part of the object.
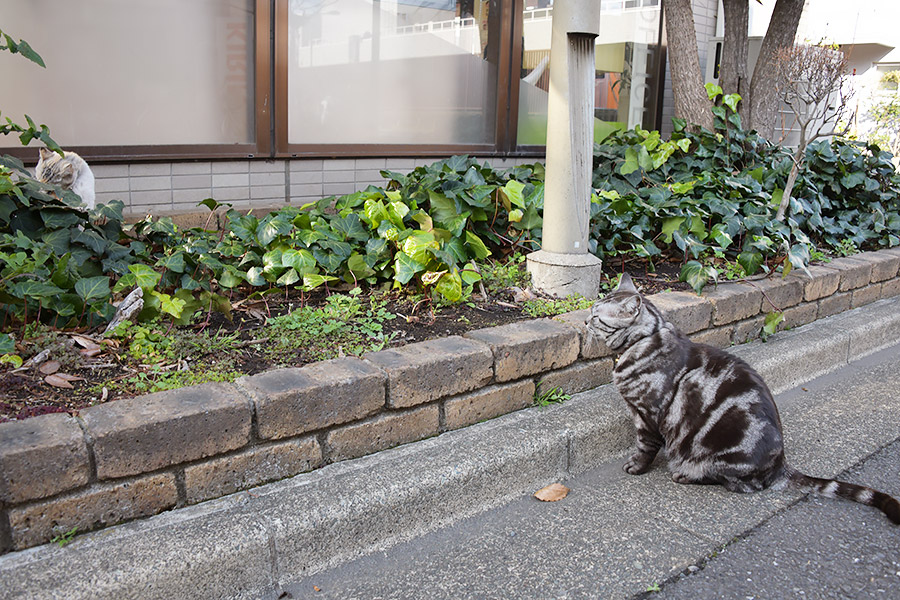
(111, 374)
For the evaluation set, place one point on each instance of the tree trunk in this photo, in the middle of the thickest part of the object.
(733, 66)
(764, 103)
(691, 102)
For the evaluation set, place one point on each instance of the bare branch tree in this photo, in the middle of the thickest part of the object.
(811, 81)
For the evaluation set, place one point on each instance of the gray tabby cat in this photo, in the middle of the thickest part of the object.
(70, 172)
(713, 413)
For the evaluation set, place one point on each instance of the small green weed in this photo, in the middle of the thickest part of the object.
(552, 396)
(654, 588)
(846, 247)
(64, 538)
(345, 325)
(497, 276)
(543, 307)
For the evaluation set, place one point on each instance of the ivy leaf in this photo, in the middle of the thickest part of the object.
(172, 262)
(290, 277)
(512, 191)
(771, 323)
(7, 343)
(92, 288)
(750, 262)
(450, 286)
(230, 277)
(476, 246)
(301, 260)
(357, 265)
(312, 281)
(144, 276)
(352, 228)
(406, 267)
(696, 275)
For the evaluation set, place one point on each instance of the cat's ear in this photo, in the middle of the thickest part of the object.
(46, 153)
(626, 284)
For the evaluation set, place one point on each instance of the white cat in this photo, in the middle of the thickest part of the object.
(70, 172)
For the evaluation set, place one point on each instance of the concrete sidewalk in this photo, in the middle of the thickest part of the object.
(250, 544)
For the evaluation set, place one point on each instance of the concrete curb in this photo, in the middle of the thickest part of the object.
(249, 543)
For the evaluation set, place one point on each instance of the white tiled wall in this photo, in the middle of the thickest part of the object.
(177, 188)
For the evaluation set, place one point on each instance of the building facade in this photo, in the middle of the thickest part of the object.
(266, 102)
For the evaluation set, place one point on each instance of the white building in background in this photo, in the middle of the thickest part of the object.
(867, 31)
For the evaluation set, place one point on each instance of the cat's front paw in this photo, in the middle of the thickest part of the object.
(637, 464)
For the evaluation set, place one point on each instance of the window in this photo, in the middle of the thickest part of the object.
(626, 55)
(141, 72)
(392, 72)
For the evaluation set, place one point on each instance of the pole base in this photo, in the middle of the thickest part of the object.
(561, 275)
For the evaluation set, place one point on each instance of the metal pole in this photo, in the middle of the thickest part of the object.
(564, 266)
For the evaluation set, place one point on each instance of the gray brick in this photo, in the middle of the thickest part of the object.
(40, 457)
(142, 434)
(748, 330)
(780, 293)
(824, 282)
(687, 311)
(890, 288)
(832, 305)
(583, 375)
(488, 403)
(529, 347)
(854, 273)
(800, 315)
(425, 371)
(294, 401)
(99, 506)
(591, 346)
(865, 295)
(884, 265)
(720, 337)
(381, 433)
(732, 302)
(261, 464)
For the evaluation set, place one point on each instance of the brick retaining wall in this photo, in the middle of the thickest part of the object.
(134, 458)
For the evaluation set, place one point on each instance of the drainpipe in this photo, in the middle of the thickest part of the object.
(564, 266)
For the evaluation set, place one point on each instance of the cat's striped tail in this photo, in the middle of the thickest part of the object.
(831, 488)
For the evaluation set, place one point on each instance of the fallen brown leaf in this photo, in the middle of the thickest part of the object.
(552, 493)
(57, 381)
(90, 352)
(84, 341)
(68, 377)
(50, 367)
